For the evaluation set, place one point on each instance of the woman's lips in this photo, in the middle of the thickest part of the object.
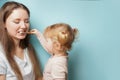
(22, 32)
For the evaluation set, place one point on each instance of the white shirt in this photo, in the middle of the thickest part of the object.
(56, 68)
(24, 65)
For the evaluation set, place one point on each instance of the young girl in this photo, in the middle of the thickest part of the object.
(57, 40)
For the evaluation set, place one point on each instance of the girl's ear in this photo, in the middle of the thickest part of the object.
(57, 45)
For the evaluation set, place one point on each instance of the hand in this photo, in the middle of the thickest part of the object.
(33, 31)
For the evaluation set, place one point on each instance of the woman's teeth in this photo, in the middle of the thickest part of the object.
(21, 32)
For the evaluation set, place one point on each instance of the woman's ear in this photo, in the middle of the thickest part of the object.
(5, 27)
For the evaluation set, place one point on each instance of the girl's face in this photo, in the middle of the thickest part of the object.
(17, 24)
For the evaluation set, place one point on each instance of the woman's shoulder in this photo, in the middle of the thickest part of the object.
(3, 60)
(2, 53)
(1, 50)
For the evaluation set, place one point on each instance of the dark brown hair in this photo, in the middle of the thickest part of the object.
(8, 44)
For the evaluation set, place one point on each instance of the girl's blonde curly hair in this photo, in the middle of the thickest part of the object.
(63, 33)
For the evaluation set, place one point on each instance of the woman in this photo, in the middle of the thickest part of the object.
(18, 60)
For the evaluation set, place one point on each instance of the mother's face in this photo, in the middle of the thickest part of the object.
(17, 24)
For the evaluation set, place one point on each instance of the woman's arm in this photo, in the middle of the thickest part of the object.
(40, 78)
(2, 77)
(3, 67)
(60, 79)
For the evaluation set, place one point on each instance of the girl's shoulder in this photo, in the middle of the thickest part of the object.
(60, 60)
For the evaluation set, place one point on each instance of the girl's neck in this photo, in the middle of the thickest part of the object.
(60, 54)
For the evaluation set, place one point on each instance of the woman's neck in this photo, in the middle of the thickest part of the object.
(17, 42)
(18, 50)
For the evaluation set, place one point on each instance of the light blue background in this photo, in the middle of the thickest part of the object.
(96, 53)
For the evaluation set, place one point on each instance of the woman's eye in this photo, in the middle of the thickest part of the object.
(26, 21)
(16, 22)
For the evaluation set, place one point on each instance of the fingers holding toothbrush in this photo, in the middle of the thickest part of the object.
(33, 31)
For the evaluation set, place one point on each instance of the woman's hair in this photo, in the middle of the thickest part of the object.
(63, 33)
(8, 44)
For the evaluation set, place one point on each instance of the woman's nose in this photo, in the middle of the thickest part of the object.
(23, 25)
